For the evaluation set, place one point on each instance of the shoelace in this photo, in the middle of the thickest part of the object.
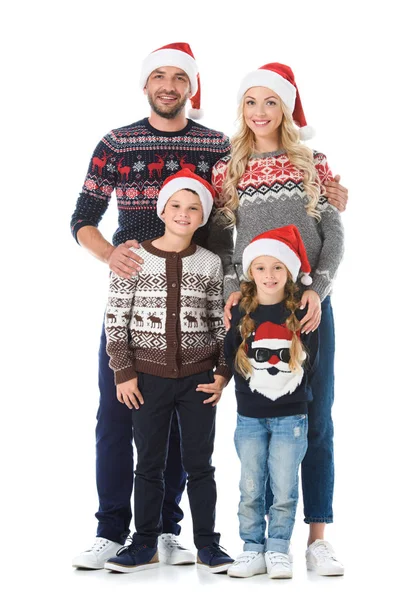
(246, 558)
(323, 551)
(278, 557)
(171, 542)
(132, 548)
(99, 545)
(216, 550)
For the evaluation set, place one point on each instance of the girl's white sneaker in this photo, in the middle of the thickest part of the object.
(248, 564)
(278, 565)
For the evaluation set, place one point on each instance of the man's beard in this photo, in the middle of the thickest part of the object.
(167, 113)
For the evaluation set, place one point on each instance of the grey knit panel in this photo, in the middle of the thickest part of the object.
(264, 207)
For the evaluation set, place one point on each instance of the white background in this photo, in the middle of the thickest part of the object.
(70, 75)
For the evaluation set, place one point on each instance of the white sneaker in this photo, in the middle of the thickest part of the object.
(278, 565)
(97, 556)
(248, 564)
(172, 553)
(320, 557)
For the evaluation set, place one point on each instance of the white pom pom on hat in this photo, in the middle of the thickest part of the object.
(280, 79)
(284, 244)
(180, 55)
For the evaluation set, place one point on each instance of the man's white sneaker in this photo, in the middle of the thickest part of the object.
(278, 565)
(248, 564)
(97, 556)
(320, 557)
(172, 553)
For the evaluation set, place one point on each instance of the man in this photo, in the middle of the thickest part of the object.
(135, 160)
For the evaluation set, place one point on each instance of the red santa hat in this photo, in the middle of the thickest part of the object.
(176, 55)
(286, 245)
(272, 332)
(280, 79)
(187, 180)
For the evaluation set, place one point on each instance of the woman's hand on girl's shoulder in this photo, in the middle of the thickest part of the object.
(233, 300)
(312, 318)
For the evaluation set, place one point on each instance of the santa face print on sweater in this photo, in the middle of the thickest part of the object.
(269, 355)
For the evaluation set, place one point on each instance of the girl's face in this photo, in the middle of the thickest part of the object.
(183, 213)
(270, 276)
(263, 113)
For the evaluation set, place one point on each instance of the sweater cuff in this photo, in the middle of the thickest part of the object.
(320, 285)
(78, 225)
(231, 284)
(124, 375)
(224, 371)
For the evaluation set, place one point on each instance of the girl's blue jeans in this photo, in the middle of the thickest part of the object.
(269, 449)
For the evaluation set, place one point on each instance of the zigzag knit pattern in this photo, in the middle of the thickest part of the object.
(167, 320)
(271, 194)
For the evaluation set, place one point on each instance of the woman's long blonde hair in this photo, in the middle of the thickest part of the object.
(246, 326)
(243, 145)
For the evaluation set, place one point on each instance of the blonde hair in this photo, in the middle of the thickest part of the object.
(243, 145)
(248, 304)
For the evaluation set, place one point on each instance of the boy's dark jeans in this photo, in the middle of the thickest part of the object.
(114, 463)
(151, 430)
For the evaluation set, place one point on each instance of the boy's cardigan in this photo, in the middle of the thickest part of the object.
(167, 320)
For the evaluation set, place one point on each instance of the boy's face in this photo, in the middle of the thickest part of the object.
(183, 213)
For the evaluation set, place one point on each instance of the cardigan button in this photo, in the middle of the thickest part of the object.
(173, 284)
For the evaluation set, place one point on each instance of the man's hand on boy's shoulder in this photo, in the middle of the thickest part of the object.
(215, 388)
(123, 261)
(128, 393)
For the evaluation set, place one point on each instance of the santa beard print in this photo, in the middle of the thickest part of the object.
(269, 359)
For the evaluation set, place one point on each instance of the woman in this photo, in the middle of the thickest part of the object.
(271, 180)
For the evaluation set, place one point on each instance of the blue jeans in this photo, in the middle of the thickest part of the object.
(269, 449)
(317, 468)
(114, 463)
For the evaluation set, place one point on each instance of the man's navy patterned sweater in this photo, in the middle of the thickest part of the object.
(135, 161)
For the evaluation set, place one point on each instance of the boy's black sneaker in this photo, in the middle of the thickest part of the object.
(136, 557)
(213, 559)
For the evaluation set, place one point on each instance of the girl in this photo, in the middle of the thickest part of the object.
(270, 180)
(272, 376)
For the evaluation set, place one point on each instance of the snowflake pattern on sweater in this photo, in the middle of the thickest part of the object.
(271, 194)
(134, 161)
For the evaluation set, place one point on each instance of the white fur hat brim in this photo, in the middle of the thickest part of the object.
(181, 183)
(169, 57)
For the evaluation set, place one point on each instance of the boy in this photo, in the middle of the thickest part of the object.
(165, 335)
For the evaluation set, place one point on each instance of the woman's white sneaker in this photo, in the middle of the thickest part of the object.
(248, 564)
(320, 557)
(97, 556)
(172, 553)
(278, 565)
